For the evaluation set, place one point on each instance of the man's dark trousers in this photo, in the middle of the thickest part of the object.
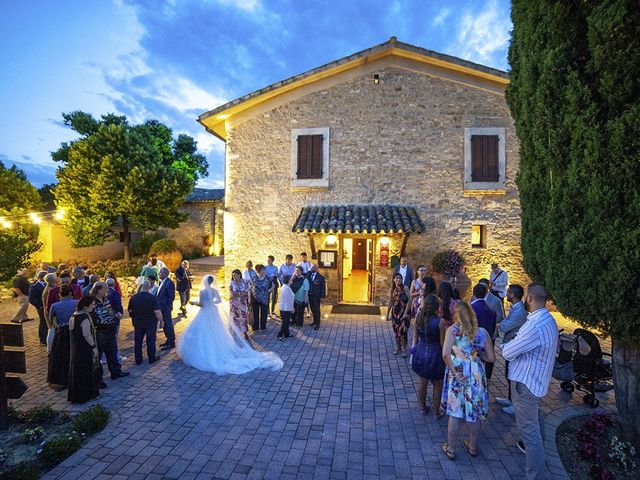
(147, 329)
(314, 304)
(106, 340)
(43, 330)
(298, 315)
(167, 326)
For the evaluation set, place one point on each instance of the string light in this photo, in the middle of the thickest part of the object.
(5, 223)
(35, 218)
(59, 214)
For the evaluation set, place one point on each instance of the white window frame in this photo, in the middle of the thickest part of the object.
(479, 186)
(310, 182)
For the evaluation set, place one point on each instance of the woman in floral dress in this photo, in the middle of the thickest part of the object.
(465, 395)
(416, 289)
(239, 296)
(398, 313)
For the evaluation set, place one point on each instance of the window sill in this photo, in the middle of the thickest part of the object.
(320, 183)
(484, 188)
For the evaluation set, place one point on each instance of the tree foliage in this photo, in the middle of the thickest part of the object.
(575, 98)
(17, 198)
(136, 175)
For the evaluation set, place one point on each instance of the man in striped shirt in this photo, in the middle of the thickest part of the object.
(531, 355)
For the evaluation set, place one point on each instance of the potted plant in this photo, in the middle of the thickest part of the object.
(448, 263)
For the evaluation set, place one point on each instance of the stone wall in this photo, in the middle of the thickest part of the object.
(203, 230)
(401, 142)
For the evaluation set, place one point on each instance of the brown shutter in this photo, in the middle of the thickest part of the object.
(491, 167)
(316, 156)
(304, 156)
(484, 158)
(477, 159)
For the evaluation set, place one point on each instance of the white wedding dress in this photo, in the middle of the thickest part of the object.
(211, 342)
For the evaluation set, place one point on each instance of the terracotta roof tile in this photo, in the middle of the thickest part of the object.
(379, 218)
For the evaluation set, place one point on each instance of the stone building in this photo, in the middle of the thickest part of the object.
(201, 234)
(395, 149)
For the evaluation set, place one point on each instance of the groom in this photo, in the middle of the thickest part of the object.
(166, 294)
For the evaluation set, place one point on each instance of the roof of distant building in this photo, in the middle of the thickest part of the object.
(205, 195)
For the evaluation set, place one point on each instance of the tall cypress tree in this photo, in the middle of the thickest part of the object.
(575, 98)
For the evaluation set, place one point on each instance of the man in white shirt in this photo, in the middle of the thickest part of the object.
(304, 263)
(499, 280)
(531, 355)
(405, 270)
(286, 306)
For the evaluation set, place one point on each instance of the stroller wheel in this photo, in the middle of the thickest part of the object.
(567, 387)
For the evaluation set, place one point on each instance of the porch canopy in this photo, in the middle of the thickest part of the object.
(358, 219)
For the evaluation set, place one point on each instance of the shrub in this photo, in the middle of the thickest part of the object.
(142, 245)
(165, 245)
(31, 435)
(57, 449)
(29, 470)
(91, 420)
(448, 261)
(38, 415)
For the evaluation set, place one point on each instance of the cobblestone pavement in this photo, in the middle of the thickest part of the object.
(342, 407)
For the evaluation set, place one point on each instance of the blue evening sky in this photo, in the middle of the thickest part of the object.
(172, 60)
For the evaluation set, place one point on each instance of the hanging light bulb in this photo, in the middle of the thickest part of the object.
(5, 223)
(35, 218)
(59, 214)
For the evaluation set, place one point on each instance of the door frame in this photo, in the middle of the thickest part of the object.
(370, 263)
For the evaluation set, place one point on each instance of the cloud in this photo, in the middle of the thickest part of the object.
(26, 157)
(440, 18)
(484, 37)
(247, 5)
(37, 173)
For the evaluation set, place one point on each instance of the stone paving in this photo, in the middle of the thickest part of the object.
(342, 407)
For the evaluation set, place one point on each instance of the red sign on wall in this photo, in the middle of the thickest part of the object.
(384, 255)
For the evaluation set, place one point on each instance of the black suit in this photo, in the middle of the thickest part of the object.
(35, 299)
(317, 291)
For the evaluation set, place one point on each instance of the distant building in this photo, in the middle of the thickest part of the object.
(393, 150)
(200, 235)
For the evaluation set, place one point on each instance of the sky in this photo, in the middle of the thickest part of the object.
(172, 60)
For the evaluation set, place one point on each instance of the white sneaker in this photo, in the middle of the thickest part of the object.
(505, 402)
(510, 410)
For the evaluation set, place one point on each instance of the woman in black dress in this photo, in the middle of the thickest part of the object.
(60, 314)
(83, 382)
(398, 313)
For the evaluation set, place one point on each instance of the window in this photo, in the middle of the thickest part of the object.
(310, 157)
(484, 159)
(478, 236)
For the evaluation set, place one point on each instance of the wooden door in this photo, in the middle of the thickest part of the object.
(359, 253)
(370, 268)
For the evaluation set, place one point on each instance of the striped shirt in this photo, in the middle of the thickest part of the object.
(532, 353)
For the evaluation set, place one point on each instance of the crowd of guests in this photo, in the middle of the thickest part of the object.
(453, 348)
(79, 316)
(254, 294)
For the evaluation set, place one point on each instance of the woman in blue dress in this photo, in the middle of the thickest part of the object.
(426, 351)
(465, 396)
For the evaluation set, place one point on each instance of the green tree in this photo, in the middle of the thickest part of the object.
(575, 98)
(136, 176)
(18, 236)
(46, 195)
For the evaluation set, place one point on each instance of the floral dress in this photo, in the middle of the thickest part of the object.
(398, 304)
(467, 399)
(239, 303)
(417, 300)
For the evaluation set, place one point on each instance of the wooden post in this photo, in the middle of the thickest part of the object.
(4, 408)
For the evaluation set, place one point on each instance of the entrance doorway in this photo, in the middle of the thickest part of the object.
(357, 266)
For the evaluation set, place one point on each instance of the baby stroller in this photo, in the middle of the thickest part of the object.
(580, 364)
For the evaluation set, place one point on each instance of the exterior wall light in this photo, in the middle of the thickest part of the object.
(376, 78)
(332, 241)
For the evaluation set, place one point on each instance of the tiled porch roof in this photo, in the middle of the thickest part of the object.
(378, 218)
(205, 195)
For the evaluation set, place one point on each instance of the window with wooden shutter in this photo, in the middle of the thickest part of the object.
(310, 156)
(485, 165)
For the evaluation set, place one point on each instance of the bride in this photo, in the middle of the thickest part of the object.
(214, 344)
